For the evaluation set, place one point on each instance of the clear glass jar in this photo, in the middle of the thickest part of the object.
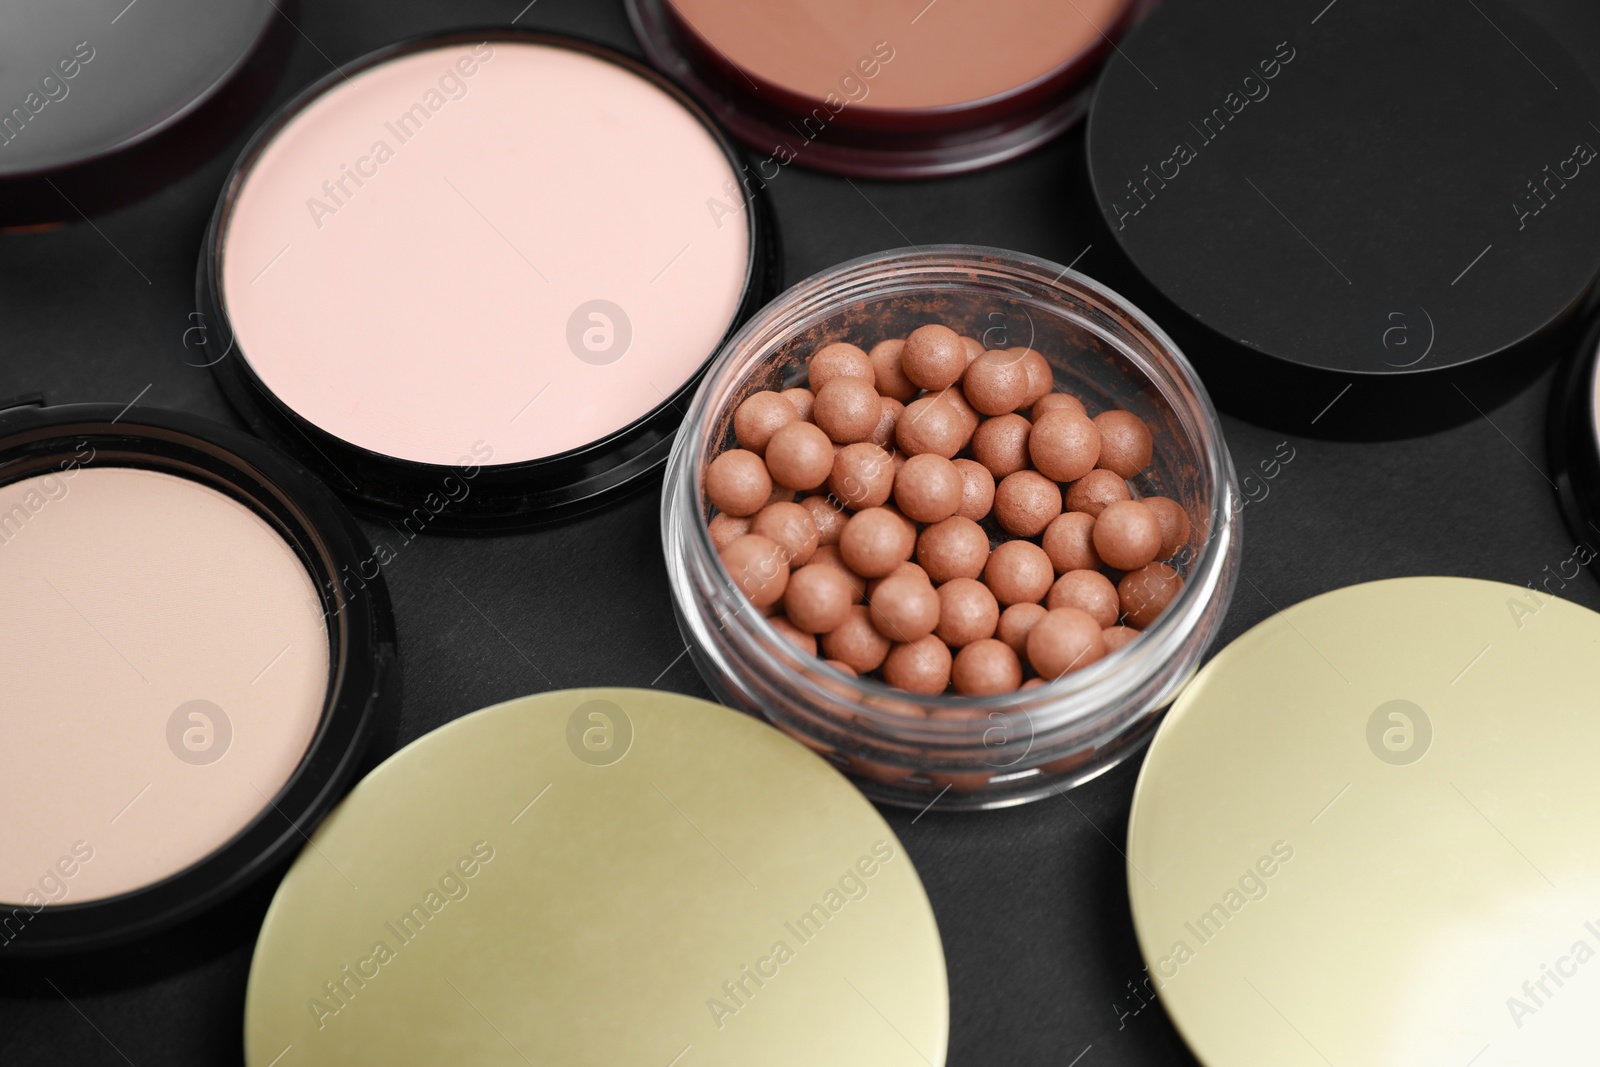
(970, 752)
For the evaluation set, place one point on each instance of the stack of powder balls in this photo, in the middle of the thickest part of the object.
(938, 514)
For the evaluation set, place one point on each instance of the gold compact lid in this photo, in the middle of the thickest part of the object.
(600, 876)
(1365, 835)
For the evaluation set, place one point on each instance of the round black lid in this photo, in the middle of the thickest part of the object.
(82, 81)
(1400, 201)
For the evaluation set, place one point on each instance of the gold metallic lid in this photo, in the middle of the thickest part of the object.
(1365, 835)
(606, 877)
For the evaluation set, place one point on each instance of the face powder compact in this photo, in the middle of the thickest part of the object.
(1364, 834)
(601, 876)
(1341, 247)
(886, 89)
(196, 658)
(101, 103)
(443, 280)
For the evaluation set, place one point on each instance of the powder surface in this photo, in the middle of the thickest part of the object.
(129, 594)
(515, 246)
(946, 53)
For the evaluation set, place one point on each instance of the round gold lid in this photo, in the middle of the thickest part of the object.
(1366, 835)
(600, 876)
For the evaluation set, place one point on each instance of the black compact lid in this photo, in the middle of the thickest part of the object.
(100, 100)
(207, 905)
(1395, 201)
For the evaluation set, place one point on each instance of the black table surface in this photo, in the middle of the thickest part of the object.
(1030, 901)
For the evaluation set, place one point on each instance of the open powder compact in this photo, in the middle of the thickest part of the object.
(889, 88)
(199, 650)
(103, 103)
(432, 281)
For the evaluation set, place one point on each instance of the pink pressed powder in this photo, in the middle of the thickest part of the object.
(166, 666)
(505, 244)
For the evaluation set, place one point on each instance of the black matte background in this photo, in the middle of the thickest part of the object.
(1030, 901)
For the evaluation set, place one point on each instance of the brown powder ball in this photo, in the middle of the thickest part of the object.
(1091, 493)
(959, 782)
(974, 348)
(876, 771)
(792, 527)
(1146, 593)
(1015, 623)
(862, 476)
(1064, 445)
(838, 360)
(1127, 535)
(1088, 591)
(818, 597)
(828, 516)
(1018, 572)
(1025, 502)
(1069, 542)
(958, 400)
(905, 608)
(903, 569)
(802, 400)
(911, 527)
(985, 668)
(875, 542)
(1174, 522)
(977, 490)
(799, 456)
(1125, 442)
(1119, 637)
(996, 382)
(1066, 639)
(903, 709)
(954, 548)
(1058, 402)
(1041, 377)
(921, 666)
(829, 556)
(847, 410)
(842, 668)
(756, 565)
(1001, 444)
(856, 642)
(726, 528)
(889, 412)
(930, 424)
(887, 374)
(934, 356)
(758, 417)
(797, 637)
(737, 482)
(968, 612)
(928, 488)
